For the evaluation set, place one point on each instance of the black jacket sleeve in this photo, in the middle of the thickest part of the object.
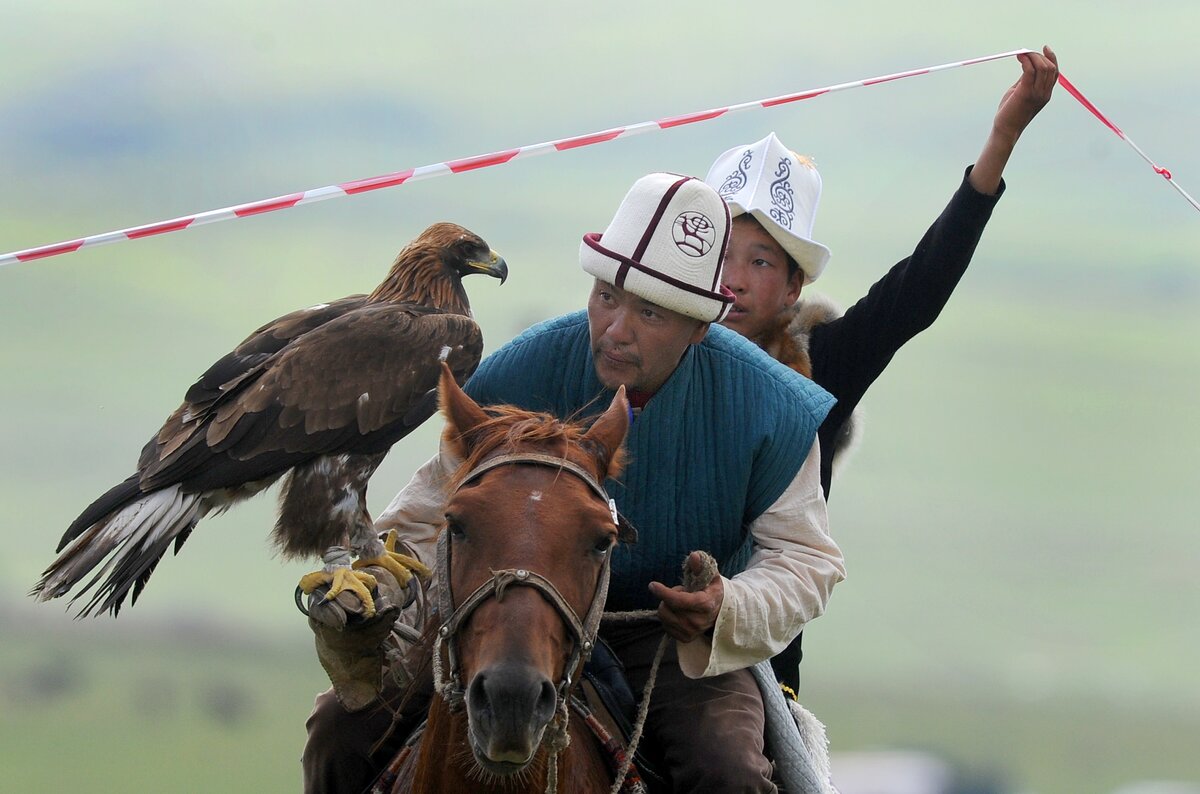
(849, 353)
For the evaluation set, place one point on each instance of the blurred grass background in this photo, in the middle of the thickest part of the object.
(1020, 523)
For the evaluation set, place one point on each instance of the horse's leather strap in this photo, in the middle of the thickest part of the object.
(537, 459)
(628, 533)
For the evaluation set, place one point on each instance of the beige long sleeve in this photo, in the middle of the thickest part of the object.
(786, 584)
(419, 509)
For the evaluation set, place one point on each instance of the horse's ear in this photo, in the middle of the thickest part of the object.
(606, 436)
(462, 413)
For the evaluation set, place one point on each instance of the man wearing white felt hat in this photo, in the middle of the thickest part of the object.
(773, 195)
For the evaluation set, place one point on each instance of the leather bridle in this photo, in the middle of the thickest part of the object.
(449, 685)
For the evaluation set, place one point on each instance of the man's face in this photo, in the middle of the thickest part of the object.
(756, 272)
(636, 343)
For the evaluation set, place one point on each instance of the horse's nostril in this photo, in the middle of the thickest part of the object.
(547, 700)
(477, 696)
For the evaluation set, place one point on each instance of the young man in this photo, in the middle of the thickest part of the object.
(722, 457)
(773, 196)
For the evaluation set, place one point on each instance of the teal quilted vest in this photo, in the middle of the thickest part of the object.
(710, 452)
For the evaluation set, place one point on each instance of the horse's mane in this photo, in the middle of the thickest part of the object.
(508, 428)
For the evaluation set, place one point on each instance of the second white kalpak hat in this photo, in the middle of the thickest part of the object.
(781, 190)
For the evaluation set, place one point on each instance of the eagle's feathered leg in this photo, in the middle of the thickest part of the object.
(323, 507)
(325, 504)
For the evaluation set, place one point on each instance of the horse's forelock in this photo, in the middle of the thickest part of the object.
(509, 429)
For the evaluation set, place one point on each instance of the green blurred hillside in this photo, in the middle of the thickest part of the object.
(1020, 523)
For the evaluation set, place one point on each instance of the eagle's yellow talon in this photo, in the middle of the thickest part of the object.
(311, 581)
(400, 565)
(342, 579)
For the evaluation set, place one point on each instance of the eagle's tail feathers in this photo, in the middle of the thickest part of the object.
(114, 498)
(182, 537)
(123, 550)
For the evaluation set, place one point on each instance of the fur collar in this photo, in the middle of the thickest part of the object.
(788, 341)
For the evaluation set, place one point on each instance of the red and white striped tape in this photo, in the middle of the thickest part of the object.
(1158, 169)
(508, 155)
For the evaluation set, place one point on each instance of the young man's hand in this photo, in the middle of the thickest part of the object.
(1027, 96)
(1018, 106)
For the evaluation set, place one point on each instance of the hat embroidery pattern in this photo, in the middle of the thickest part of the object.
(737, 180)
(694, 233)
(781, 195)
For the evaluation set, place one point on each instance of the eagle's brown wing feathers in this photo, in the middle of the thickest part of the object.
(244, 361)
(264, 343)
(308, 399)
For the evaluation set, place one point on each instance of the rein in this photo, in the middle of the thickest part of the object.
(448, 682)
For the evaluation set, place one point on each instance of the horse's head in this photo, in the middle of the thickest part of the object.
(523, 562)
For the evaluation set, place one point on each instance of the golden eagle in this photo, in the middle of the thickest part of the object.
(318, 397)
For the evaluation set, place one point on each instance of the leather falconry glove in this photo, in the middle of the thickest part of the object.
(351, 648)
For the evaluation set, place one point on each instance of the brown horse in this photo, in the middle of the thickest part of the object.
(523, 555)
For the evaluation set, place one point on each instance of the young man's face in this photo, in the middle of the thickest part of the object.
(636, 343)
(756, 272)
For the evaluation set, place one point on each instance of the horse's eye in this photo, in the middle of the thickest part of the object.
(454, 528)
(603, 546)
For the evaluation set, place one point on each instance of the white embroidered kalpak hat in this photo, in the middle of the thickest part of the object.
(665, 244)
(781, 190)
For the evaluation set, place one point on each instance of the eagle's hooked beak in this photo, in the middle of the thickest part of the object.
(495, 267)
